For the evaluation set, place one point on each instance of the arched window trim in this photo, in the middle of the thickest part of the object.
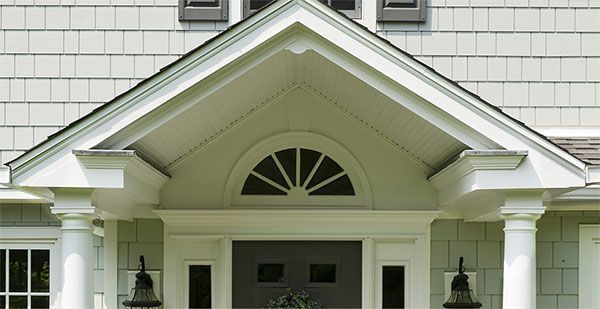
(234, 199)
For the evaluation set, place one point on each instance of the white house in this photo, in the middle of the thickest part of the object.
(353, 149)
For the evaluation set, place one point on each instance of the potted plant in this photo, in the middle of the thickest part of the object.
(297, 300)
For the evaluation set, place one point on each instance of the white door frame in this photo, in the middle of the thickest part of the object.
(406, 231)
(589, 235)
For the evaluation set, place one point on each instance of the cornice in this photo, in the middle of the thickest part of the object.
(125, 160)
(470, 161)
(296, 218)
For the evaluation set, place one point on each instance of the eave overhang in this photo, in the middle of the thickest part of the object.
(477, 170)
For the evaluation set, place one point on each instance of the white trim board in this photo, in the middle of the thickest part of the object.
(387, 236)
(589, 265)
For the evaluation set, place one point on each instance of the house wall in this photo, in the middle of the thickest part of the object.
(539, 60)
(135, 238)
(482, 246)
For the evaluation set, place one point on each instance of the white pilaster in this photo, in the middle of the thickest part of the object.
(74, 210)
(110, 264)
(520, 214)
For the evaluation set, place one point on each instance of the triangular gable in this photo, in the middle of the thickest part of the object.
(454, 109)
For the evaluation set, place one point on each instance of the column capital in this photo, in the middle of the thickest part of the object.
(532, 213)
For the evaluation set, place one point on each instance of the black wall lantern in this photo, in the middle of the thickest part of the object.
(461, 296)
(142, 295)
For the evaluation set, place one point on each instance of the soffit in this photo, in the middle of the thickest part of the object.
(208, 119)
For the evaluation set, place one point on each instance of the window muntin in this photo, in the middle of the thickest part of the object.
(25, 275)
(351, 8)
(298, 172)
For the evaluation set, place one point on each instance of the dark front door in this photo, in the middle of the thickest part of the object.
(329, 271)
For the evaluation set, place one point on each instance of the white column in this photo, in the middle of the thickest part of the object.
(110, 264)
(76, 214)
(520, 215)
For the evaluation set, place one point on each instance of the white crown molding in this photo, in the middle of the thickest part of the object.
(474, 160)
(125, 160)
(299, 218)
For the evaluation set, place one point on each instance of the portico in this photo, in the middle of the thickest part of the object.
(297, 125)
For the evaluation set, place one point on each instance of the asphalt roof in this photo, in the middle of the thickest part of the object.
(587, 149)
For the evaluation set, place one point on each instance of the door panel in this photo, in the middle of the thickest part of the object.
(265, 269)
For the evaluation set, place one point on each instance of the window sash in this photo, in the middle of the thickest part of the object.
(356, 13)
(29, 247)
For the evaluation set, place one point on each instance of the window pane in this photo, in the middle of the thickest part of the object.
(40, 270)
(257, 4)
(287, 158)
(2, 271)
(308, 159)
(17, 267)
(340, 186)
(322, 273)
(326, 170)
(269, 169)
(17, 302)
(40, 302)
(270, 272)
(2, 301)
(255, 186)
(393, 287)
(343, 4)
(200, 286)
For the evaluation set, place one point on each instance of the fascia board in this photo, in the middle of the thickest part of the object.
(593, 174)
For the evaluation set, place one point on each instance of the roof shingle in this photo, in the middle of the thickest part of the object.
(587, 149)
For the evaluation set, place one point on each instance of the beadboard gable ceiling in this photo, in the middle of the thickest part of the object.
(212, 117)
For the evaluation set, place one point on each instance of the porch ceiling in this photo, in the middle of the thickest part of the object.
(212, 116)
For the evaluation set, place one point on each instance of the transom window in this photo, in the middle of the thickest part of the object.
(298, 172)
(24, 278)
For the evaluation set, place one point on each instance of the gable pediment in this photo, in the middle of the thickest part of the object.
(295, 29)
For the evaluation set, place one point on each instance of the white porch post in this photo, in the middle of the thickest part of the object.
(520, 213)
(75, 211)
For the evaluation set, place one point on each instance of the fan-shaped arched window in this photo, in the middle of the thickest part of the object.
(298, 171)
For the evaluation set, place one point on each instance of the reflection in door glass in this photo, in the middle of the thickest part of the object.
(393, 287)
(200, 286)
(268, 272)
(322, 273)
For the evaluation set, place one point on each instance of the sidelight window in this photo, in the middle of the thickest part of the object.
(393, 286)
(200, 281)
